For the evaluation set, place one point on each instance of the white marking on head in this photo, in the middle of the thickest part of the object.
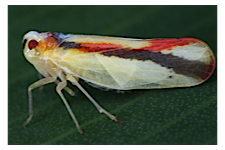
(32, 35)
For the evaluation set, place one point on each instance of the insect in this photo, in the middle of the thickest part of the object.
(115, 63)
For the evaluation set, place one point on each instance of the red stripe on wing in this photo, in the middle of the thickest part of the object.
(96, 47)
(168, 44)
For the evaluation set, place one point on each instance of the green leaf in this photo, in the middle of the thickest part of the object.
(163, 116)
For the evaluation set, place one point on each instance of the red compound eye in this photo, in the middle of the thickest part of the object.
(32, 44)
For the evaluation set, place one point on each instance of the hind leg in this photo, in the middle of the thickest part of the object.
(99, 108)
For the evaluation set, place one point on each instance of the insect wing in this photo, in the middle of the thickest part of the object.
(166, 63)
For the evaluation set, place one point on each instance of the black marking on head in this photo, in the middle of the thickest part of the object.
(67, 45)
(24, 43)
(191, 68)
(58, 36)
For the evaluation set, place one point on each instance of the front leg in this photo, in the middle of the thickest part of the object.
(31, 87)
(71, 92)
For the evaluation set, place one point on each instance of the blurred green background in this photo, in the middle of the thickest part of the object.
(164, 116)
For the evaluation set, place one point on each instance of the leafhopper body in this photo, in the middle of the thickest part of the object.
(115, 63)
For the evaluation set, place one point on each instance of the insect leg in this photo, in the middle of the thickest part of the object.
(100, 109)
(59, 88)
(40, 77)
(31, 87)
(68, 90)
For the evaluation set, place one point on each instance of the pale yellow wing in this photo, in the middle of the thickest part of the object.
(120, 73)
